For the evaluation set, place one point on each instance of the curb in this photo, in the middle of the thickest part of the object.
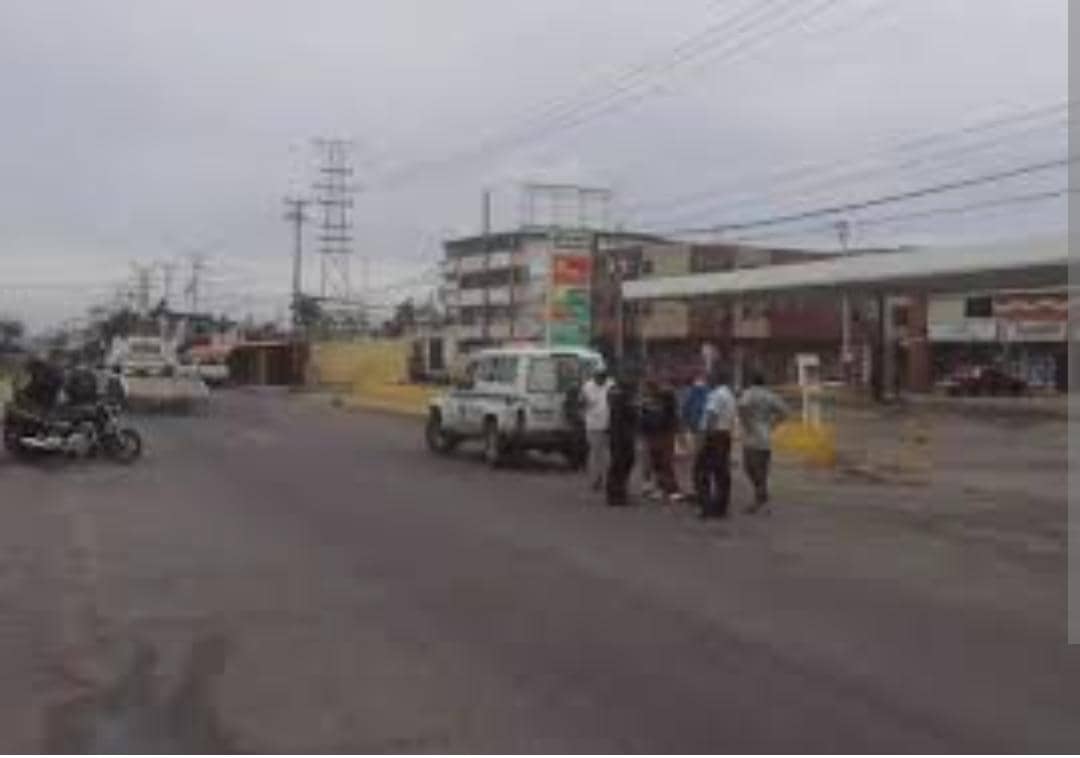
(382, 406)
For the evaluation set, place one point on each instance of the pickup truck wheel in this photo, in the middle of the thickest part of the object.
(576, 455)
(494, 449)
(438, 439)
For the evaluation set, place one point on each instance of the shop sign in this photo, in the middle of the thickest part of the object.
(569, 308)
(1034, 331)
(571, 270)
(969, 330)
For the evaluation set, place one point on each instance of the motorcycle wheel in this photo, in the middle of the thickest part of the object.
(125, 446)
(14, 447)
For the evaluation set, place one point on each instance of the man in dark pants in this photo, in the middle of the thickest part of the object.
(693, 415)
(760, 410)
(659, 424)
(622, 434)
(715, 462)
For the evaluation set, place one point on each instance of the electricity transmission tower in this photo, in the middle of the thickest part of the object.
(334, 195)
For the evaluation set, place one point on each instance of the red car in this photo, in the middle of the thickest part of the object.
(984, 380)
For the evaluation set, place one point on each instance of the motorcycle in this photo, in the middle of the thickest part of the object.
(77, 432)
(84, 426)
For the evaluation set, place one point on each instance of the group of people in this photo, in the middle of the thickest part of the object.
(622, 423)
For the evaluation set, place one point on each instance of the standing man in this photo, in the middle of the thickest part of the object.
(759, 411)
(714, 487)
(622, 434)
(659, 424)
(693, 414)
(594, 400)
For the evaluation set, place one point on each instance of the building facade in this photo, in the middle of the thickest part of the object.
(669, 335)
(510, 286)
(1024, 333)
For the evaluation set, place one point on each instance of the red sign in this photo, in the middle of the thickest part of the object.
(571, 270)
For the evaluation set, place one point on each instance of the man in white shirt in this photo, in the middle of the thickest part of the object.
(594, 400)
(714, 463)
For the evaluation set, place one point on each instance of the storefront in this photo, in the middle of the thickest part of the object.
(1022, 334)
(1035, 351)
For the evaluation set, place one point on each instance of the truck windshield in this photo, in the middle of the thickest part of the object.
(556, 373)
(145, 349)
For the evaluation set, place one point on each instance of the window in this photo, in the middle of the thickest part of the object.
(556, 373)
(505, 371)
(978, 307)
(485, 370)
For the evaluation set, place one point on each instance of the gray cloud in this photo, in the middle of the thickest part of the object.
(135, 131)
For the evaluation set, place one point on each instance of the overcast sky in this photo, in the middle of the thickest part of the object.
(141, 131)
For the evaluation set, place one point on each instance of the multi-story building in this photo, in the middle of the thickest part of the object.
(497, 288)
(764, 333)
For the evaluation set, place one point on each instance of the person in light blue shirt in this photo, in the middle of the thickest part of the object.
(713, 463)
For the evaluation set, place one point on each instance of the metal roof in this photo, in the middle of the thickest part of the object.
(1029, 263)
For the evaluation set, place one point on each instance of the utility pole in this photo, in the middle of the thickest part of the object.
(198, 265)
(142, 286)
(486, 212)
(168, 271)
(615, 269)
(843, 233)
(295, 214)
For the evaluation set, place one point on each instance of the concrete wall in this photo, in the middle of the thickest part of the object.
(360, 363)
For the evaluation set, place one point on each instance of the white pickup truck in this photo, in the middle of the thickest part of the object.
(153, 374)
(143, 356)
(513, 399)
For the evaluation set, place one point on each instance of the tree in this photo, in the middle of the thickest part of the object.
(11, 331)
(119, 324)
(309, 312)
(403, 320)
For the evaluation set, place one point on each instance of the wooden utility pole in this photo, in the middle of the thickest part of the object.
(486, 212)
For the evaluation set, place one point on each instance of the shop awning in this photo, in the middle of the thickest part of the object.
(1019, 265)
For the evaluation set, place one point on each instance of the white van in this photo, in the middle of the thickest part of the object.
(513, 399)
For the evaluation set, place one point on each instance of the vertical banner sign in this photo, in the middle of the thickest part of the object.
(569, 315)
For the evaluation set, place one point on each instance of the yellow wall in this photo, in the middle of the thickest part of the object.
(358, 364)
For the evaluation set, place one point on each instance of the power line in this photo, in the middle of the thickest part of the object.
(725, 56)
(1023, 199)
(575, 115)
(57, 286)
(558, 106)
(884, 150)
(936, 160)
(881, 200)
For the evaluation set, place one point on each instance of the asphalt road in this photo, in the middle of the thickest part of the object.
(282, 576)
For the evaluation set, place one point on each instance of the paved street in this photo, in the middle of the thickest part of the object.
(280, 575)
